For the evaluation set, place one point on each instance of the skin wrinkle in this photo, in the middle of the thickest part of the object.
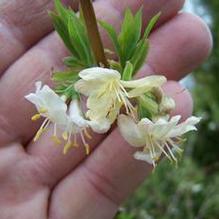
(84, 199)
(17, 28)
(102, 184)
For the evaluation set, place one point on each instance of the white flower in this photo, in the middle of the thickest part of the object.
(155, 137)
(76, 126)
(54, 109)
(107, 92)
(50, 106)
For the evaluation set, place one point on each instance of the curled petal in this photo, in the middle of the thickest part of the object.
(184, 127)
(130, 131)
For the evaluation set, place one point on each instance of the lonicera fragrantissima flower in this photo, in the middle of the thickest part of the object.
(156, 137)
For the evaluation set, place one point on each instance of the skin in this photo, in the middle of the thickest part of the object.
(36, 179)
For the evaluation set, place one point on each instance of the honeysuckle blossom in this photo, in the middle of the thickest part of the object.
(53, 108)
(49, 106)
(107, 93)
(76, 126)
(161, 136)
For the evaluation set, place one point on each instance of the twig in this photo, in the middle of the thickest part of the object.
(93, 32)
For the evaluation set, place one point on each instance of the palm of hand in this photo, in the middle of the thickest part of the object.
(36, 179)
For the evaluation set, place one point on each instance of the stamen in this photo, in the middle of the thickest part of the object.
(86, 145)
(67, 147)
(43, 110)
(41, 130)
(65, 135)
(87, 134)
(56, 139)
(75, 141)
(36, 117)
(171, 153)
(38, 134)
(87, 149)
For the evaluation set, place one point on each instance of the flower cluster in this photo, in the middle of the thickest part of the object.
(140, 107)
(109, 98)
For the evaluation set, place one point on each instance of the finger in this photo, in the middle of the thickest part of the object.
(34, 65)
(42, 150)
(22, 25)
(180, 52)
(109, 175)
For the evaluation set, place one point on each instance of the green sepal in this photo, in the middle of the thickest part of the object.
(128, 72)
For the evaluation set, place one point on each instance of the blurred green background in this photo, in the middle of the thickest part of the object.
(190, 191)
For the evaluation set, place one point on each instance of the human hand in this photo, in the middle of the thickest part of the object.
(36, 179)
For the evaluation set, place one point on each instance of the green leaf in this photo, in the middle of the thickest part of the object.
(140, 55)
(73, 32)
(62, 30)
(67, 91)
(151, 25)
(112, 34)
(73, 62)
(78, 35)
(128, 72)
(69, 76)
(129, 35)
(61, 10)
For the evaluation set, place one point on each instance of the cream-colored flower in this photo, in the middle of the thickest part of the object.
(161, 136)
(107, 92)
(49, 106)
(53, 108)
(76, 126)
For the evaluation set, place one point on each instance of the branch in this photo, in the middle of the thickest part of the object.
(93, 32)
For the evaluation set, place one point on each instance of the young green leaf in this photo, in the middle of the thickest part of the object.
(62, 30)
(151, 25)
(69, 76)
(78, 38)
(129, 35)
(112, 34)
(140, 55)
(73, 62)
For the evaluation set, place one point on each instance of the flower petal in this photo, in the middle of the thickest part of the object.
(76, 115)
(184, 127)
(97, 73)
(143, 85)
(143, 157)
(130, 131)
(101, 126)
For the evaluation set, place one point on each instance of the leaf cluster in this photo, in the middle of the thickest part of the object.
(72, 30)
(130, 45)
